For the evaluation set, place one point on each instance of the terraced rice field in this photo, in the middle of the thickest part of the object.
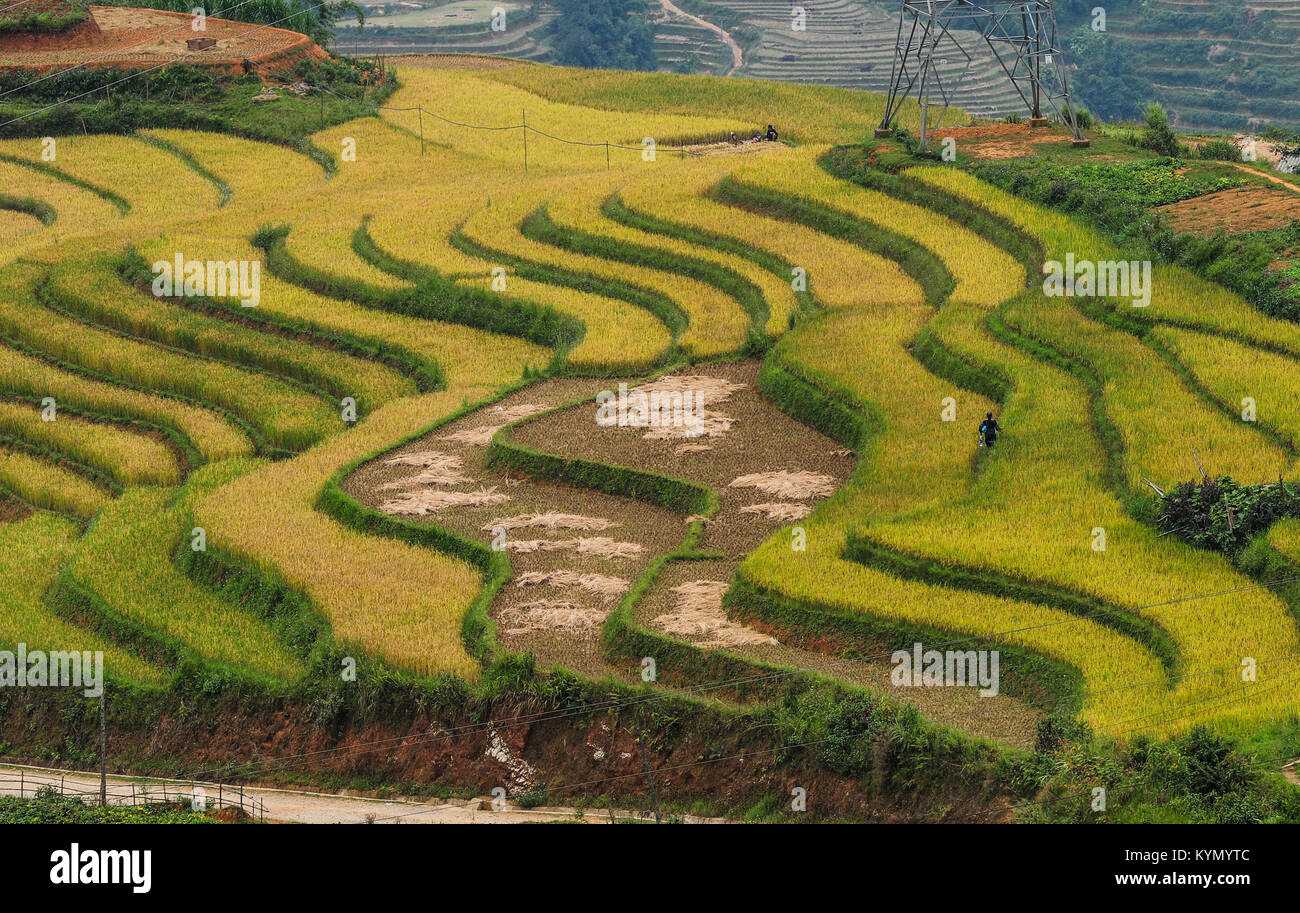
(401, 437)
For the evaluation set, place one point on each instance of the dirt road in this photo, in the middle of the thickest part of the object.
(1269, 177)
(287, 806)
(737, 55)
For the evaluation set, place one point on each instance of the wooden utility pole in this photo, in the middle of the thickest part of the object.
(103, 747)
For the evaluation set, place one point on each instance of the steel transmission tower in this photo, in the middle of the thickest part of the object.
(1022, 35)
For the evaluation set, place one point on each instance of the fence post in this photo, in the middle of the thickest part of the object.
(22, 785)
(606, 155)
(525, 140)
(420, 110)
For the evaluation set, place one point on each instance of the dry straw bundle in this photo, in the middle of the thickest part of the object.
(607, 588)
(419, 503)
(784, 483)
(551, 520)
(699, 613)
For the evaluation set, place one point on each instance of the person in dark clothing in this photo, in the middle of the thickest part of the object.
(771, 134)
(989, 429)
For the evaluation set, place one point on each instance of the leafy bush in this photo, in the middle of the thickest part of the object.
(1219, 150)
(1222, 515)
(1158, 137)
(49, 807)
(851, 728)
(43, 23)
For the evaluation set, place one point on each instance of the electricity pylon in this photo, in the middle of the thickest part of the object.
(1022, 35)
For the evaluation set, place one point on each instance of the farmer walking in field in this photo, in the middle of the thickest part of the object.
(989, 429)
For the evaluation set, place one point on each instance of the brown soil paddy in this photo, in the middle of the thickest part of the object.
(1241, 209)
(134, 38)
(1004, 141)
(11, 511)
(656, 530)
(559, 618)
(1000, 718)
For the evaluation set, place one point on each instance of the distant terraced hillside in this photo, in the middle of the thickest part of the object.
(1224, 64)
(1217, 64)
(846, 43)
(438, 27)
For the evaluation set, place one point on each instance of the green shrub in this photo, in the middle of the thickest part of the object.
(1158, 137)
(1219, 150)
(1223, 515)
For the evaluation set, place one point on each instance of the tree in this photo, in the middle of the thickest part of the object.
(605, 34)
(1157, 136)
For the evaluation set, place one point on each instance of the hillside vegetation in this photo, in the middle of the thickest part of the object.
(417, 271)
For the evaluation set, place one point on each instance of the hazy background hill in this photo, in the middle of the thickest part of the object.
(1226, 64)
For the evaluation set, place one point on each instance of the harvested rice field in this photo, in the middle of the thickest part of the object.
(373, 456)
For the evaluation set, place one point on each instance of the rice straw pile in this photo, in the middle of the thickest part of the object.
(607, 588)
(551, 520)
(419, 503)
(545, 614)
(781, 510)
(699, 613)
(783, 483)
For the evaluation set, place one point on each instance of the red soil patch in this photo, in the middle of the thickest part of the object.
(81, 35)
(1241, 209)
(1003, 141)
(140, 38)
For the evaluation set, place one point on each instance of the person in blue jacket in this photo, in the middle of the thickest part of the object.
(989, 429)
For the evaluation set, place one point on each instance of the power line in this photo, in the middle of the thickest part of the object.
(159, 66)
(711, 686)
(119, 52)
(548, 716)
(1212, 701)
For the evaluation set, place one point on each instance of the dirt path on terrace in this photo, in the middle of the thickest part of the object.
(737, 55)
(293, 807)
(574, 552)
(1270, 177)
